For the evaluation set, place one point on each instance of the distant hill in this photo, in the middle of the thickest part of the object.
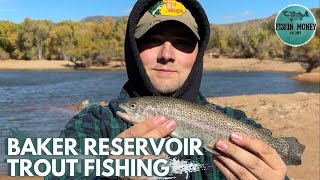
(255, 22)
(269, 19)
(240, 26)
(100, 18)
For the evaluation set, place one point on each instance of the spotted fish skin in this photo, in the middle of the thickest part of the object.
(203, 122)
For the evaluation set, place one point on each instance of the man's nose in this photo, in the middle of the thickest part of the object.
(166, 52)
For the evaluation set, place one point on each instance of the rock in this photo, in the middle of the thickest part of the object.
(85, 103)
(301, 93)
(103, 103)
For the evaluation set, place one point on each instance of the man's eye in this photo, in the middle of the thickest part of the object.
(152, 41)
(178, 41)
(184, 45)
(182, 42)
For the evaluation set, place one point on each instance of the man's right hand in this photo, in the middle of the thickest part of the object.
(154, 127)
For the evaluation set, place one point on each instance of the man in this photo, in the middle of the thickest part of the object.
(164, 48)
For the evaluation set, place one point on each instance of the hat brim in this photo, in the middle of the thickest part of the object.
(144, 29)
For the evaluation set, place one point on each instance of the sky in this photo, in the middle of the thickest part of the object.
(219, 12)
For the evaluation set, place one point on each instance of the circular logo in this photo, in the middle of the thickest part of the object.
(295, 25)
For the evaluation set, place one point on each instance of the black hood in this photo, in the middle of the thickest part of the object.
(139, 83)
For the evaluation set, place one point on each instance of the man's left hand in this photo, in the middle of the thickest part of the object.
(249, 158)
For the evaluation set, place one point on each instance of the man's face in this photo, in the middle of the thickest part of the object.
(168, 52)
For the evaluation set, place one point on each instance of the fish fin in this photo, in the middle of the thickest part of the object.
(266, 131)
(212, 107)
(210, 149)
(294, 150)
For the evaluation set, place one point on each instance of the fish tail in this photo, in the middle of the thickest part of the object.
(292, 150)
(306, 14)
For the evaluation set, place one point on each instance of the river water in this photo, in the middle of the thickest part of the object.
(34, 101)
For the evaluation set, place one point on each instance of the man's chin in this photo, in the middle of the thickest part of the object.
(169, 94)
(166, 90)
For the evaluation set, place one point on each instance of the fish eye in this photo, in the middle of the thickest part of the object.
(133, 106)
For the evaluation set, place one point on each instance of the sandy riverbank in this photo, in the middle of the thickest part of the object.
(226, 64)
(51, 65)
(288, 115)
(313, 77)
(35, 65)
(209, 64)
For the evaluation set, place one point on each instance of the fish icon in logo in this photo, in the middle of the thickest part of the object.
(292, 15)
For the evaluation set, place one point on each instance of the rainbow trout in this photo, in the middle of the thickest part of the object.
(206, 123)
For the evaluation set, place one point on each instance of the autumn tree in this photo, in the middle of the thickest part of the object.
(8, 36)
(307, 55)
(32, 36)
(61, 40)
(91, 41)
(214, 45)
(40, 32)
(103, 37)
(25, 39)
(117, 38)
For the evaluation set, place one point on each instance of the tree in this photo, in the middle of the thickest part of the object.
(25, 39)
(214, 45)
(214, 38)
(40, 32)
(32, 36)
(307, 55)
(61, 40)
(116, 41)
(8, 35)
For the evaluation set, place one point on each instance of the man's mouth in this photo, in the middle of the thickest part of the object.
(165, 71)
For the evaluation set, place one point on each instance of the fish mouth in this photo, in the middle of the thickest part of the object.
(123, 113)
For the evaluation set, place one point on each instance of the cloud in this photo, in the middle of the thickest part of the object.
(246, 13)
(230, 17)
(7, 10)
(6, 5)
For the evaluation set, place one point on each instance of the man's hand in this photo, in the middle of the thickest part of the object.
(249, 158)
(154, 127)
